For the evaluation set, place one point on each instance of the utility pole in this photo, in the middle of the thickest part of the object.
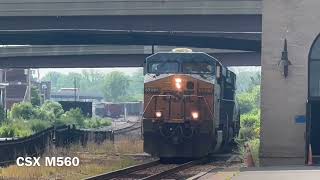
(29, 85)
(75, 92)
(5, 91)
(125, 111)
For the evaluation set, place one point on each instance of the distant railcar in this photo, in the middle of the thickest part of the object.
(134, 108)
(189, 105)
(114, 110)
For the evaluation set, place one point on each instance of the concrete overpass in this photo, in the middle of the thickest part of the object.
(248, 41)
(104, 56)
(219, 24)
(151, 15)
(133, 15)
(126, 7)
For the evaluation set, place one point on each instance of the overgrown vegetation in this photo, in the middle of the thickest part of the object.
(249, 104)
(94, 159)
(25, 119)
(96, 122)
(35, 96)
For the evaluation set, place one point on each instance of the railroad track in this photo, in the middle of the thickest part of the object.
(216, 163)
(148, 171)
(134, 126)
(155, 170)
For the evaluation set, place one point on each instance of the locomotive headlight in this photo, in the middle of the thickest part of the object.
(158, 114)
(178, 83)
(195, 115)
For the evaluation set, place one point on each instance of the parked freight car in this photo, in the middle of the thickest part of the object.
(116, 110)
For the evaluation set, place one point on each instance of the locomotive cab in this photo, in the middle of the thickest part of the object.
(183, 105)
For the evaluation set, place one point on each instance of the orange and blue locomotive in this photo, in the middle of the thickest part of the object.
(189, 105)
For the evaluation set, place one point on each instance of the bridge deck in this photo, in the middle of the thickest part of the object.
(127, 7)
(104, 56)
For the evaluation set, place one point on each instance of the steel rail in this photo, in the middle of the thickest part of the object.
(175, 169)
(121, 172)
(129, 128)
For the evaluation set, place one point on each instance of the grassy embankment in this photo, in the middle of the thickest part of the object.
(94, 159)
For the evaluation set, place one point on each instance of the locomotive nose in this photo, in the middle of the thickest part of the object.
(190, 85)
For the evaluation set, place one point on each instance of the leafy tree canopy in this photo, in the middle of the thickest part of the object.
(22, 111)
(116, 86)
(35, 96)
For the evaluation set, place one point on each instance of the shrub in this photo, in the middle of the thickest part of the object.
(6, 131)
(74, 116)
(246, 134)
(97, 122)
(38, 125)
(254, 147)
(246, 102)
(54, 108)
(22, 110)
(15, 129)
(250, 126)
(250, 120)
(44, 115)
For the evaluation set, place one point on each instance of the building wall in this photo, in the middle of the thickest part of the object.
(282, 140)
(18, 85)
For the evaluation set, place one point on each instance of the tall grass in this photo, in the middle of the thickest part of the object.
(254, 148)
(94, 159)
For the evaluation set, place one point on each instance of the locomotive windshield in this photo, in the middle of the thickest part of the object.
(197, 68)
(163, 67)
(177, 63)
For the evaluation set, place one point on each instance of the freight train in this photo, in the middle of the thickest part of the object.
(116, 110)
(189, 105)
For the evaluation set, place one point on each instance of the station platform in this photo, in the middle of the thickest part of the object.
(266, 173)
(279, 173)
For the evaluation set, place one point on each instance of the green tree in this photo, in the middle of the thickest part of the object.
(255, 80)
(88, 81)
(2, 114)
(248, 101)
(115, 86)
(23, 110)
(135, 88)
(38, 125)
(35, 96)
(247, 79)
(72, 117)
(91, 81)
(54, 108)
(55, 79)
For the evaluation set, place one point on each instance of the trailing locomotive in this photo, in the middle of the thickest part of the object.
(189, 105)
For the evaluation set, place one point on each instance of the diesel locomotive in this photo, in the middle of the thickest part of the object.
(189, 105)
